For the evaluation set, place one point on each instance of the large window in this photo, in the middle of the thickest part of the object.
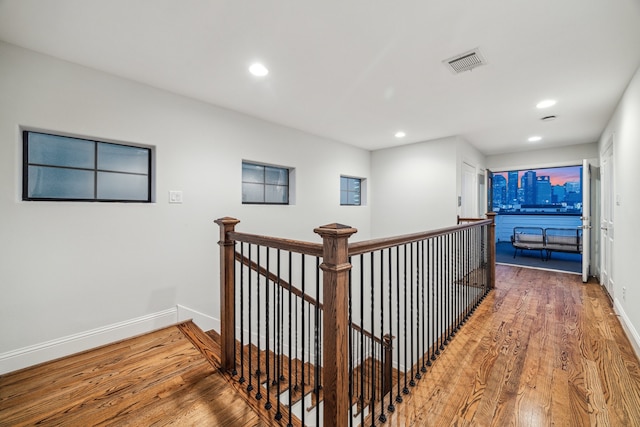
(62, 168)
(538, 191)
(350, 191)
(262, 184)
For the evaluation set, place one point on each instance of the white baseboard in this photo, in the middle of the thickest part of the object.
(628, 327)
(203, 321)
(65, 346)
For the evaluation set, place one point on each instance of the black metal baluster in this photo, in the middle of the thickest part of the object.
(350, 336)
(419, 285)
(398, 396)
(456, 282)
(302, 335)
(470, 277)
(317, 338)
(241, 380)
(412, 382)
(277, 353)
(373, 358)
(361, 334)
(289, 343)
(250, 386)
(441, 274)
(405, 389)
(309, 342)
(267, 405)
(258, 303)
(391, 406)
(430, 300)
(383, 365)
(447, 285)
(425, 314)
(438, 297)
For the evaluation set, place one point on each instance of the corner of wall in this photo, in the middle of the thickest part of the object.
(203, 321)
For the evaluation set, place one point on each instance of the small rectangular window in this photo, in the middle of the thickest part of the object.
(262, 184)
(350, 191)
(64, 168)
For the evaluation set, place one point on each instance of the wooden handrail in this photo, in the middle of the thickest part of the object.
(366, 246)
(297, 246)
(461, 219)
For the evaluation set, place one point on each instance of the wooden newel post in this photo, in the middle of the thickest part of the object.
(491, 237)
(227, 293)
(387, 363)
(335, 322)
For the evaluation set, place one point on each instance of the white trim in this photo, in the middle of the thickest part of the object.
(203, 321)
(628, 327)
(70, 344)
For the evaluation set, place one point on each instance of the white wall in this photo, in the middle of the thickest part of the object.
(67, 268)
(467, 153)
(414, 187)
(544, 158)
(624, 126)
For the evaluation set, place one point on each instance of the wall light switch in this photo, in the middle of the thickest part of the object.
(175, 196)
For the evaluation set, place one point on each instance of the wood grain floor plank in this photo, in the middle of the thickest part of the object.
(543, 349)
(156, 379)
(543, 358)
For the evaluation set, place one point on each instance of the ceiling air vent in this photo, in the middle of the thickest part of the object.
(466, 61)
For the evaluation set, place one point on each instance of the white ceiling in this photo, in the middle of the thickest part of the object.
(357, 71)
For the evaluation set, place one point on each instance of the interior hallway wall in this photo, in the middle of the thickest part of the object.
(71, 267)
(624, 130)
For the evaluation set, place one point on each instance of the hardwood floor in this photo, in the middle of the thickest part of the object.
(156, 379)
(542, 349)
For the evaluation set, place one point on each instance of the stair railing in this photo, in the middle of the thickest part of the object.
(315, 322)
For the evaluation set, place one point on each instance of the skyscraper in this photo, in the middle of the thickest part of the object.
(499, 190)
(543, 190)
(529, 186)
(512, 192)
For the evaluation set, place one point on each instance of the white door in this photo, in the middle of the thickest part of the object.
(468, 204)
(596, 189)
(606, 219)
(586, 219)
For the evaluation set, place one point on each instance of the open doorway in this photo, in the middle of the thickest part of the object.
(540, 217)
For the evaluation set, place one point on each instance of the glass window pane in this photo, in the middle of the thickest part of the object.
(120, 158)
(60, 183)
(119, 186)
(344, 183)
(252, 193)
(354, 184)
(276, 176)
(252, 173)
(354, 198)
(276, 194)
(60, 151)
(344, 197)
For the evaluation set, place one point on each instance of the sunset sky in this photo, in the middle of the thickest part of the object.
(558, 176)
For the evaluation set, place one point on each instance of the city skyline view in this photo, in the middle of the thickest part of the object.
(538, 191)
(558, 176)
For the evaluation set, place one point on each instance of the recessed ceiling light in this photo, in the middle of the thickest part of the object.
(400, 134)
(258, 70)
(546, 103)
(534, 138)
